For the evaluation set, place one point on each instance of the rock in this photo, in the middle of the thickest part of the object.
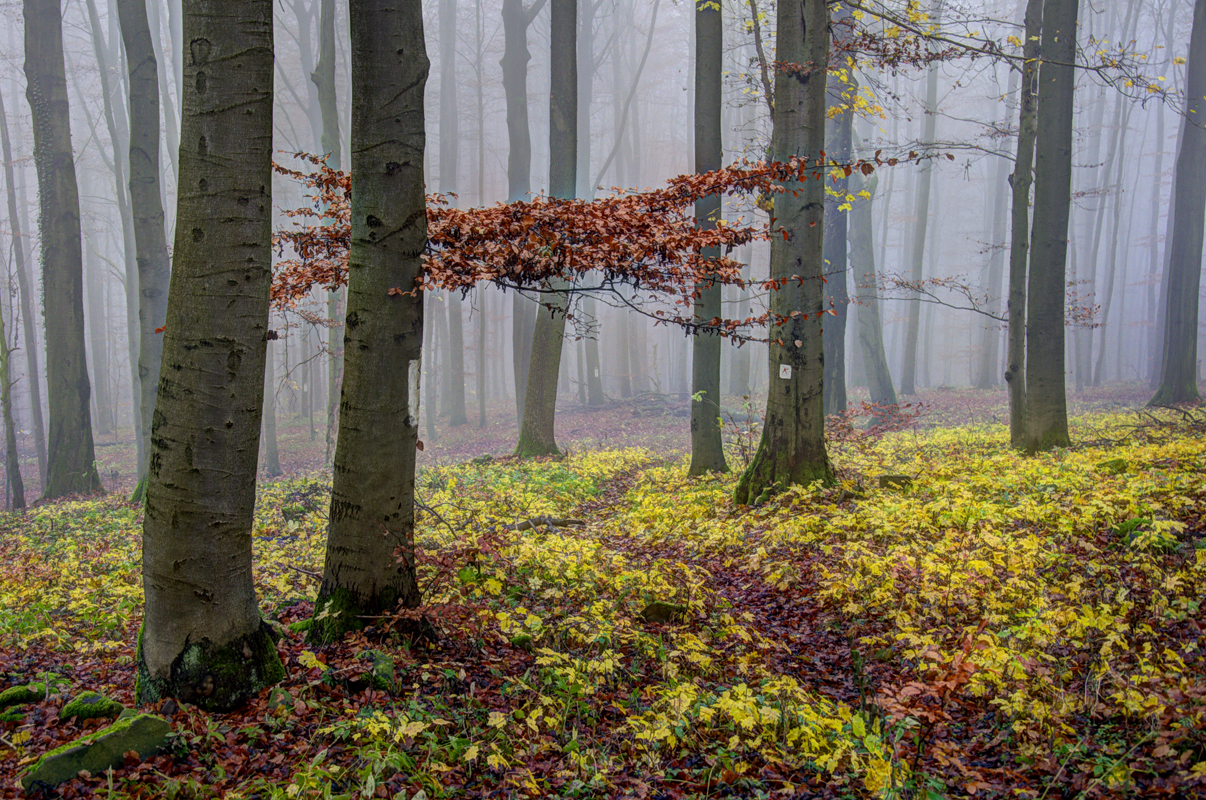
(90, 705)
(302, 625)
(483, 460)
(18, 695)
(12, 715)
(385, 674)
(1115, 466)
(895, 481)
(99, 751)
(657, 611)
(523, 642)
(279, 698)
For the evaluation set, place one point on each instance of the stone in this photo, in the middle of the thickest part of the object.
(895, 481)
(98, 751)
(483, 460)
(302, 625)
(19, 695)
(657, 611)
(90, 705)
(12, 714)
(279, 698)
(1114, 466)
(384, 674)
(523, 642)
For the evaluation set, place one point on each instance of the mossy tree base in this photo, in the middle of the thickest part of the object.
(215, 677)
(529, 447)
(774, 468)
(1176, 394)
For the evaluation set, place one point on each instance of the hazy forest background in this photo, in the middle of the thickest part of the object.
(802, 398)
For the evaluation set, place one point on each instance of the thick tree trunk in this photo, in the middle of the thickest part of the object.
(866, 283)
(540, 408)
(707, 447)
(70, 464)
(203, 640)
(146, 205)
(792, 449)
(1046, 425)
(370, 566)
(27, 319)
(1183, 275)
(1019, 246)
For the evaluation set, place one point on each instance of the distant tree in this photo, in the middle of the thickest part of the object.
(370, 566)
(707, 448)
(536, 436)
(1183, 268)
(866, 283)
(1046, 416)
(792, 449)
(454, 370)
(71, 459)
(842, 89)
(12, 458)
(203, 639)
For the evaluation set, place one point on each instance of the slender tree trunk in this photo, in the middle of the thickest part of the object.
(71, 460)
(450, 131)
(925, 182)
(12, 458)
(203, 640)
(1019, 248)
(539, 414)
(707, 447)
(272, 456)
(837, 223)
(792, 449)
(95, 319)
(482, 319)
(1046, 396)
(1183, 270)
(370, 565)
(990, 340)
(27, 319)
(146, 205)
(866, 282)
(1115, 233)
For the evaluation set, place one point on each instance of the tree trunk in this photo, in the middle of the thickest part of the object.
(1046, 397)
(203, 640)
(27, 319)
(1183, 269)
(272, 455)
(146, 205)
(866, 283)
(449, 166)
(540, 408)
(925, 182)
(370, 565)
(837, 223)
(12, 459)
(792, 449)
(987, 376)
(95, 319)
(71, 459)
(707, 447)
(1019, 246)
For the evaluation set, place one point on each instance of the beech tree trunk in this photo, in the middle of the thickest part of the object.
(866, 283)
(837, 224)
(146, 205)
(540, 408)
(203, 640)
(792, 449)
(27, 319)
(1183, 268)
(449, 164)
(707, 447)
(1046, 396)
(12, 459)
(1019, 246)
(370, 565)
(272, 454)
(70, 456)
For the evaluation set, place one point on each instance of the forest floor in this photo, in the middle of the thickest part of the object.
(995, 625)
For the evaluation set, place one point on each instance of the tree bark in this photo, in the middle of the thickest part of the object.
(71, 459)
(1019, 247)
(33, 369)
(95, 319)
(866, 282)
(12, 458)
(837, 224)
(1046, 396)
(146, 205)
(203, 640)
(792, 449)
(370, 566)
(449, 164)
(540, 408)
(707, 447)
(272, 454)
(1183, 268)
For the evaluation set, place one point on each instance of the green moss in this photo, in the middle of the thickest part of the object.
(19, 695)
(90, 705)
(12, 715)
(342, 611)
(302, 625)
(99, 750)
(215, 677)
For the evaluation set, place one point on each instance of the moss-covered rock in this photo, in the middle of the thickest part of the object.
(19, 695)
(99, 751)
(13, 714)
(385, 672)
(279, 698)
(90, 705)
(1114, 466)
(895, 481)
(302, 625)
